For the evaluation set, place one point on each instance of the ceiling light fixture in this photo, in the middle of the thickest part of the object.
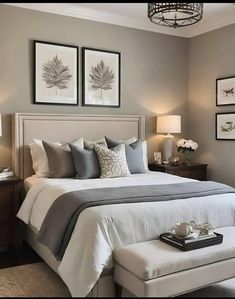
(175, 14)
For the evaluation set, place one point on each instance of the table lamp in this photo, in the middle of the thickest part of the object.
(168, 124)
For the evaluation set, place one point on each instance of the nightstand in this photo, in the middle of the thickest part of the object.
(9, 206)
(194, 171)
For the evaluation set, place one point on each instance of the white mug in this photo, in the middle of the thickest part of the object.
(183, 229)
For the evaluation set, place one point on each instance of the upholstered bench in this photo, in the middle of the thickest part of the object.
(157, 269)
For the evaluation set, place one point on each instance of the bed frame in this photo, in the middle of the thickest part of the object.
(64, 128)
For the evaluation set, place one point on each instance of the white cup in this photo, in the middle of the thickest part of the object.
(183, 229)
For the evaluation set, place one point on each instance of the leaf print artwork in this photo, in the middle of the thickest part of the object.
(229, 91)
(228, 127)
(101, 77)
(56, 74)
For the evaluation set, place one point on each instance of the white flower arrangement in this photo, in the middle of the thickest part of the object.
(184, 145)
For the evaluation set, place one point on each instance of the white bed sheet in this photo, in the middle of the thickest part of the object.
(32, 180)
(101, 229)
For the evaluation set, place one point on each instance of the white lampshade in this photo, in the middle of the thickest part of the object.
(168, 124)
(0, 126)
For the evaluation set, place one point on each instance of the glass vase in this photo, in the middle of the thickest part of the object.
(187, 158)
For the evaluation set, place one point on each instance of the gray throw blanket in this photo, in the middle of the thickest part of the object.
(61, 218)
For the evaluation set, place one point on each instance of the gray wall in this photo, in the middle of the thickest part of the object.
(211, 55)
(154, 68)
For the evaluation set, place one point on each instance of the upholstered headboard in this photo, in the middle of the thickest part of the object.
(65, 128)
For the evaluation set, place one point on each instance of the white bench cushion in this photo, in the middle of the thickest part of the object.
(152, 259)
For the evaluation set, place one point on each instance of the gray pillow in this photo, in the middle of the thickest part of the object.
(60, 159)
(86, 162)
(134, 154)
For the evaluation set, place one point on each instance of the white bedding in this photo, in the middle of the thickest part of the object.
(101, 229)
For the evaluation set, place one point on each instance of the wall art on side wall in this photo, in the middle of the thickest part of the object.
(56, 74)
(225, 91)
(225, 126)
(101, 78)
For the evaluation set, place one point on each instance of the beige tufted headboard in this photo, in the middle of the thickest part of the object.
(65, 128)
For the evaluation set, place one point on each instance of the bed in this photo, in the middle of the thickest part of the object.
(86, 267)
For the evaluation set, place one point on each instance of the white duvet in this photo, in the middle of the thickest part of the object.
(101, 229)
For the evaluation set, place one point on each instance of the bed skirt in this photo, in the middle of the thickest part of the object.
(104, 287)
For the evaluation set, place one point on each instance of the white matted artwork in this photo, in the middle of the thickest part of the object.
(225, 91)
(56, 74)
(101, 78)
(225, 126)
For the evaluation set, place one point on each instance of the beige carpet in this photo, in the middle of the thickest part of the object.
(33, 280)
(222, 290)
(38, 280)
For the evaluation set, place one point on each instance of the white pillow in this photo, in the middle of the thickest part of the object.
(145, 155)
(39, 158)
(91, 144)
(130, 141)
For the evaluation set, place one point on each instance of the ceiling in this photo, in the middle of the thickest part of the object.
(134, 15)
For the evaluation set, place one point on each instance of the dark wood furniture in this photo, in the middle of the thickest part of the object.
(194, 171)
(9, 206)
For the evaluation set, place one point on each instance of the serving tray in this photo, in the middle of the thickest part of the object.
(191, 243)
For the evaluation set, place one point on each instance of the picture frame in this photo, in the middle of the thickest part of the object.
(225, 91)
(55, 73)
(101, 78)
(225, 126)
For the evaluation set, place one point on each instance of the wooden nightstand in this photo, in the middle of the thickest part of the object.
(194, 171)
(9, 206)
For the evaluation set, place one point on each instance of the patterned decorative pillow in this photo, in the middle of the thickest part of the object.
(112, 161)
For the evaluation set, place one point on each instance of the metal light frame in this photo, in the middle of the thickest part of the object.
(157, 11)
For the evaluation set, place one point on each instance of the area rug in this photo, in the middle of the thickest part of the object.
(32, 280)
(223, 289)
(38, 280)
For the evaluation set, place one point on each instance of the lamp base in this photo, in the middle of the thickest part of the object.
(168, 148)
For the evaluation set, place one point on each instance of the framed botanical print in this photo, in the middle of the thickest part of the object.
(225, 126)
(225, 91)
(101, 78)
(55, 74)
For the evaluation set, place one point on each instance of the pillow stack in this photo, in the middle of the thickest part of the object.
(84, 159)
(136, 154)
(53, 159)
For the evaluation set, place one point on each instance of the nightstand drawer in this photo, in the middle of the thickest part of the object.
(6, 233)
(194, 171)
(6, 193)
(9, 205)
(183, 173)
(6, 211)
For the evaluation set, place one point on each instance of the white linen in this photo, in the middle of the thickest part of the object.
(29, 182)
(101, 229)
(46, 190)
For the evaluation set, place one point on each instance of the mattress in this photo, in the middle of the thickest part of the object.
(99, 230)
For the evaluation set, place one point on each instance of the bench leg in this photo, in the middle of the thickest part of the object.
(118, 290)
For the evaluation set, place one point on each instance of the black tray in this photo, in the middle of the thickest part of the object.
(191, 244)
